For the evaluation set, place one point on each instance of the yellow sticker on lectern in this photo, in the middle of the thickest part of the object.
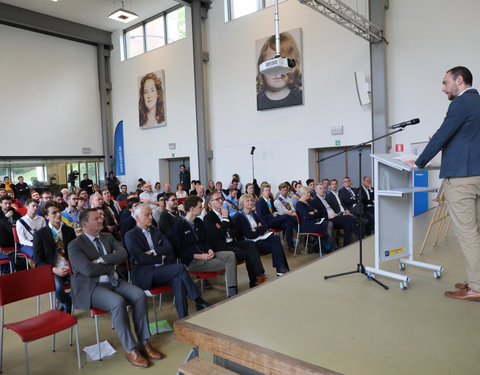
(394, 251)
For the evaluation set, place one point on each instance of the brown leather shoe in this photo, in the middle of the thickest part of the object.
(464, 294)
(461, 285)
(136, 359)
(261, 279)
(150, 352)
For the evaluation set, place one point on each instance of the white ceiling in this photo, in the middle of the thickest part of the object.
(94, 12)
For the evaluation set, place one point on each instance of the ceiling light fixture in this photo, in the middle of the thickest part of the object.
(123, 15)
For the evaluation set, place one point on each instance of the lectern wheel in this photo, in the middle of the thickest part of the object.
(401, 266)
(437, 274)
(403, 285)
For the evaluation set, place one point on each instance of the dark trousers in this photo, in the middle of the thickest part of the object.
(273, 245)
(176, 276)
(247, 251)
(60, 294)
(287, 223)
(367, 215)
(347, 223)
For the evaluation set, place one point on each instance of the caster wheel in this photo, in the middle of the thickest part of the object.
(437, 274)
(403, 285)
(401, 266)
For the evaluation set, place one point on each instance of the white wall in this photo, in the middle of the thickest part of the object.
(426, 39)
(282, 137)
(143, 148)
(49, 97)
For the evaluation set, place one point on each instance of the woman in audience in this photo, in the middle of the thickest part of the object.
(250, 189)
(180, 192)
(251, 227)
(158, 188)
(310, 220)
(210, 187)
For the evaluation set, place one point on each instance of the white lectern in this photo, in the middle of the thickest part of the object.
(394, 188)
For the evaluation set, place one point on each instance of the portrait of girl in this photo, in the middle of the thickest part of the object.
(151, 101)
(285, 89)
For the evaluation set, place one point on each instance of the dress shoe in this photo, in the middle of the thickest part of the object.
(461, 285)
(292, 250)
(281, 271)
(136, 359)
(201, 304)
(150, 352)
(464, 294)
(261, 279)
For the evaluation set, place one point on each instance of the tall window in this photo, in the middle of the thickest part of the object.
(155, 32)
(240, 8)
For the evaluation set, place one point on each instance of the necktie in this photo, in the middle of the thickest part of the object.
(112, 276)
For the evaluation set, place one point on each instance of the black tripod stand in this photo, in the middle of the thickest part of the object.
(360, 266)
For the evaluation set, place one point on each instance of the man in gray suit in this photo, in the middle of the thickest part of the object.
(94, 257)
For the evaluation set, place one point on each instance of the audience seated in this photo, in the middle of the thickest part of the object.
(58, 197)
(251, 227)
(110, 224)
(46, 197)
(219, 188)
(348, 197)
(250, 189)
(22, 191)
(334, 200)
(190, 241)
(210, 187)
(94, 257)
(113, 204)
(296, 195)
(7, 184)
(113, 185)
(170, 215)
(149, 196)
(15, 202)
(367, 195)
(123, 195)
(180, 193)
(267, 212)
(345, 222)
(50, 247)
(223, 236)
(326, 185)
(28, 225)
(71, 214)
(153, 264)
(8, 219)
(127, 221)
(311, 222)
(283, 204)
(231, 202)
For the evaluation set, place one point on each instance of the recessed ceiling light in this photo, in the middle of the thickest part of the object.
(123, 15)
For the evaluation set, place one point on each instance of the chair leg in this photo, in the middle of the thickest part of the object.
(38, 305)
(26, 357)
(53, 342)
(78, 347)
(98, 340)
(320, 246)
(155, 313)
(296, 244)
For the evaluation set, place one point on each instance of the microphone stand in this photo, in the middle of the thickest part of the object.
(360, 266)
(253, 167)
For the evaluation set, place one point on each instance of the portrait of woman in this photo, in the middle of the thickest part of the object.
(285, 89)
(151, 102)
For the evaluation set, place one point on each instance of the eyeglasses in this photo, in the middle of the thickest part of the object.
(219, 199)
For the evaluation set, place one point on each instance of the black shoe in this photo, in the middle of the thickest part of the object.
(232, 291)
(201, 304)
(281, 271)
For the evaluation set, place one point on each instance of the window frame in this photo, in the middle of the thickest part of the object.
(143, 25)
(229, 9)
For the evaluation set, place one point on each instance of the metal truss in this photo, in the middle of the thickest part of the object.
(347, 17)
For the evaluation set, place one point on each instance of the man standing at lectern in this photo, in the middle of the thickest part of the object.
(459, 140)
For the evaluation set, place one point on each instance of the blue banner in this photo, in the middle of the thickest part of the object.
(119, 155)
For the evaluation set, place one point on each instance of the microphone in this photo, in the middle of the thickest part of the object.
(253, 150)
(406, 123)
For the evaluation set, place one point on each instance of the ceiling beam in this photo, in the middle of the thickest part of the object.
(41, 23)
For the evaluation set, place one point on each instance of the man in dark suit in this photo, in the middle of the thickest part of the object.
(367, 195)
(459, 140)
(222, 235)
(345, 222)
(334, 200)
(50, 247)
(127, 221)
(94, 257)
(184, 178)
(8, 218)
(153, 263)
(349, 199)
(87, 184)
(268, 214)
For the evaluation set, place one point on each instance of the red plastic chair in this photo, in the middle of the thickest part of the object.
(22, 211)
(122, 204)
(308, 234)
(26, 284)
(157, 291)
(207, 275)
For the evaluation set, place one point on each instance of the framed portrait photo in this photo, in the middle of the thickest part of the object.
(286, 89)
(151, 100)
